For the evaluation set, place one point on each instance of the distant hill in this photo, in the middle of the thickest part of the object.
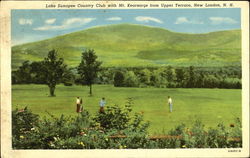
(138, 45)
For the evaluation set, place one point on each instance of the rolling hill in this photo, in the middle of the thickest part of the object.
(138, 45)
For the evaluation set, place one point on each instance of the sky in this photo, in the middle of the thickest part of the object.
(34, 25)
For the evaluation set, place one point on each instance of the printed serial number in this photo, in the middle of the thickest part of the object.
(234, 150)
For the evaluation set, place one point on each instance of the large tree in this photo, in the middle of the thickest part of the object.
(53, 69)
(88, 68)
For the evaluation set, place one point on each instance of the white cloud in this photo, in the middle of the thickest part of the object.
(181, 20)
(147, 19)
(114, 18)
(50, 21)
(23, 21)
(67, 24)
(184, 20)
(221, 20)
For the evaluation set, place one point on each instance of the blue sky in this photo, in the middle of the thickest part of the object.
(33, 25)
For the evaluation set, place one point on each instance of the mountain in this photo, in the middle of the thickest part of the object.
(138, 45)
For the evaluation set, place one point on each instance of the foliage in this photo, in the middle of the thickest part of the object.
(199, 137)
(119, 79)
(23, 74)
(144, 76)
(24, 122)
(106, 76)
(113, 117)
(190, 77)
(88, 68)
(157, 78)
(68, 77)
(52, 69)
(79, 132)
(85, 132)
(180, 77)
(131, 79)
(169, 77)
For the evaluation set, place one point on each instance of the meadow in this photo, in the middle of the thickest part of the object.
(211, 106)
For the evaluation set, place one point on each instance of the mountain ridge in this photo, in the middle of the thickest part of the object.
(136, 45)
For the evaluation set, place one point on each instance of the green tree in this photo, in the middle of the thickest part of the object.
(170, 74)
(88, 68)
(53, 69)
(157, 78)
(200, 80)
(106, 76)
(68, 77)
(191, 77)
(210, 81)
(131, 79)
(37, 76)
(180, 76)
(23, 74)
(145, 76)
(119, 79)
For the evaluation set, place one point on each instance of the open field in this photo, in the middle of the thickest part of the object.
(211, 106)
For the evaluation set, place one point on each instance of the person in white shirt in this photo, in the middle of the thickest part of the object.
(170, 103)
(102, 104)
(78, 104)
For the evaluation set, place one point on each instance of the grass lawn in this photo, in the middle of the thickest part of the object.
(211, 106)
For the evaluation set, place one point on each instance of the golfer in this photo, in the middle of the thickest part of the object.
(78, 104)
(102, 104)
(170, 103)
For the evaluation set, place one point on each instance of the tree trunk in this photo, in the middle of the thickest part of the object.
(52, 90)
(90, 89)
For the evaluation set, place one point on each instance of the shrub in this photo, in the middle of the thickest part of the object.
(117, 128)
(24, 121)
(113, 117)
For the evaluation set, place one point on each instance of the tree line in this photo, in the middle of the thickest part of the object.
(179, 77)
(52, 71)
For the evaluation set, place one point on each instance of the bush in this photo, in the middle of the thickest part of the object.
(24, 126)
(117, 128)
(114, 117)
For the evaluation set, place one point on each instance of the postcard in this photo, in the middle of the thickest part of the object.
(124, 79)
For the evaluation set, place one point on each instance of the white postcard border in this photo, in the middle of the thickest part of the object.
(6, 150)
